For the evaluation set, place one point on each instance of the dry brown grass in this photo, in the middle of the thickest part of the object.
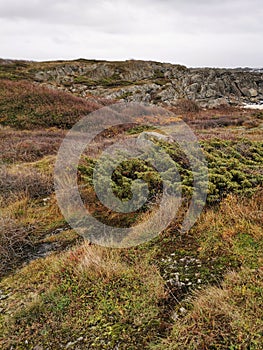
(21, 187)
(229, 315)
(220, 118)
(17, 182)
(25, 222)
(223, 318)
(14, 239)
(218, 229)
(110, 302)
(97, 261)
(28, 146)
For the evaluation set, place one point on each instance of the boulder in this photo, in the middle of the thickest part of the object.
(147, 81)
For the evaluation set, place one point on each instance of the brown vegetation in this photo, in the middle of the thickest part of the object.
(28, 146)
(99, 298)
(29, 106)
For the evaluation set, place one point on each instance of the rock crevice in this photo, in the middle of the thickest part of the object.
(159, 83)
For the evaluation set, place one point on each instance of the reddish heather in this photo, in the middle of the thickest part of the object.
(28, 105)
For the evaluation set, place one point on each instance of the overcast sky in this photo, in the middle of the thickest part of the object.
(222, 33)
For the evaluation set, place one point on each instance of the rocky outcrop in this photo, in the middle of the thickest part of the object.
(159, 83)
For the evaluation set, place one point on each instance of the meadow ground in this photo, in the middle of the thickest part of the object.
(200, 290)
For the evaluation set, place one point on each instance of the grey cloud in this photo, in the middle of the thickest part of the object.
(142, 15)
(203, 32)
